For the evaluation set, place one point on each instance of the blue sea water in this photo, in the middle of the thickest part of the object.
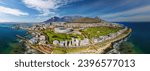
(140, 36)
(8, 37)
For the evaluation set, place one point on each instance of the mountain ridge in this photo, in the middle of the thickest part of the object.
(74, 19)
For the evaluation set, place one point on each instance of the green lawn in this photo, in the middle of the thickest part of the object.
(99, 31)
(60, 37)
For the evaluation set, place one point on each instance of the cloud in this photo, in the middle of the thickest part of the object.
(137, 18)
(4, 20)
(140, 10)
(47, 7)
(136, 14)
(11, 11)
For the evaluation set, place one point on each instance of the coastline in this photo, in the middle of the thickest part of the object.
(101, 48)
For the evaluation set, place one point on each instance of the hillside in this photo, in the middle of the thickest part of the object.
(87, 20)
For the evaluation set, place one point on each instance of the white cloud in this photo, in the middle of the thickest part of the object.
(4, 20)
(11, 11)
(47, 7)
(140, 10)
(140, 18)
(136, 14)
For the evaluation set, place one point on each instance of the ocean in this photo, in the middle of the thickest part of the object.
(140, 37)
(8, 39)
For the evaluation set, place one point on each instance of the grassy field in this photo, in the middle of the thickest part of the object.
(60, 37)
(99, 31)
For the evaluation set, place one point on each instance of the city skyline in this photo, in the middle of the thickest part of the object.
(41, 10)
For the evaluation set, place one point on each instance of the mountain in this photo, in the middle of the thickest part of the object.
(53, 19)
(74, 19)
(87, 20)
(71, 18)
(62, 19)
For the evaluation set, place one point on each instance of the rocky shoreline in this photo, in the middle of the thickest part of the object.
(116, 46)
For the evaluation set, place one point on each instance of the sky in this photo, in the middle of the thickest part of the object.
(41, 10)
